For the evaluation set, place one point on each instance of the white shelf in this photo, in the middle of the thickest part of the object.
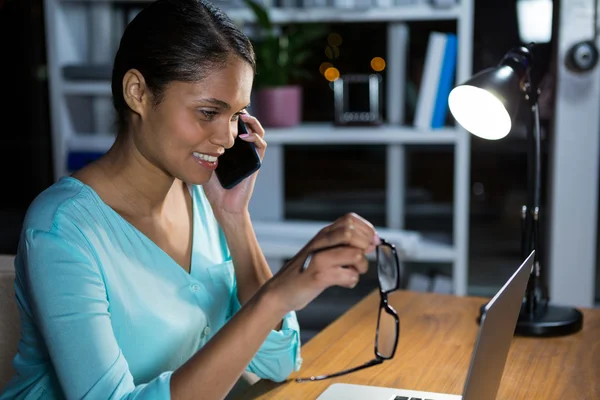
(432, 251)
(283, 239)
(416, 12)
(323, 133)
(309, 134)
(428, 251)
(87, 88)
(411, 12)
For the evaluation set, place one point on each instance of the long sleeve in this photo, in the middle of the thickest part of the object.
(69, 301)
(279, 354)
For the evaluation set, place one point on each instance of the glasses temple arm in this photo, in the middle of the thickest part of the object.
(344, 372)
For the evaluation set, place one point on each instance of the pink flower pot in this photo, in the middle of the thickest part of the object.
(278, 107)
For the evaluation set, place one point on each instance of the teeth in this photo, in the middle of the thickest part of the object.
(205, 157)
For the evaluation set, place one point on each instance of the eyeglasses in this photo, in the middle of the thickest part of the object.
(388, 323)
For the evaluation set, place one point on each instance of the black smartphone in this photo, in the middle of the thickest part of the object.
(238, 162)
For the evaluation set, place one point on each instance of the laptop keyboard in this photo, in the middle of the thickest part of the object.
(409, 398)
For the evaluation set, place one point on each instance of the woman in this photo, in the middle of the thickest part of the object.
(139, 276)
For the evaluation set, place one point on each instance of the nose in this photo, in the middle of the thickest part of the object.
(225, 135)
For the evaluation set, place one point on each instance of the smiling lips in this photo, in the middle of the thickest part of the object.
(206, 161)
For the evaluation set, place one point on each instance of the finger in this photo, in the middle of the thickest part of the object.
(371, 248)
(341, 221)
(362, 225)
(358, 225)
(253, 124)
(336, 276)
(346, 277)
(369, 227)
(361, 219)
(348, 222)
(340, 256)
(329, 275)
(333, 257)
(364, 230)
(342, 235)
(258, 141)
(361, 266)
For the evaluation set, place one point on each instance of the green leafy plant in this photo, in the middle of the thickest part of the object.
(281, 52)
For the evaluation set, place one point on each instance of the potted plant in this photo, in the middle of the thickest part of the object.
(280, 56)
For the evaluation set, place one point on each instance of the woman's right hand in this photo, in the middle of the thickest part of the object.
(337, 258)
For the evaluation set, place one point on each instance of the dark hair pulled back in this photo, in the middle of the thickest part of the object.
(175, 40)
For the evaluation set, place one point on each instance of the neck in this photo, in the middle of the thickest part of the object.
(143, 187)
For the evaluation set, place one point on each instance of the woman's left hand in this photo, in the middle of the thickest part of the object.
(235, 200)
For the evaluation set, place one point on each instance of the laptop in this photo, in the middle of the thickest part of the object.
(496, 330)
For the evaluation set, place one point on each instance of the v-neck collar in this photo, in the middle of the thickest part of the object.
(103, 204)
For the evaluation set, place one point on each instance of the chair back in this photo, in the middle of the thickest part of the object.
(9, 319)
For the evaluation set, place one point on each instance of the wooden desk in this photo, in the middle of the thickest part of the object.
(437, 335)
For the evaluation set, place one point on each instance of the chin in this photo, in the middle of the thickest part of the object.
(192, 173)
(196, 179)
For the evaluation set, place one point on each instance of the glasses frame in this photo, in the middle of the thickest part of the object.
(384, 306)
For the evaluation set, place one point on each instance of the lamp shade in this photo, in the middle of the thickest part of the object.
(486, 105)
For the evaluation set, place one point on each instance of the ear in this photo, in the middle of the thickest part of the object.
(135, 92)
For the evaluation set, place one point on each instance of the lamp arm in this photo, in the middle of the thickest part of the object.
(534, 170)
(537, 178)
(537, 292)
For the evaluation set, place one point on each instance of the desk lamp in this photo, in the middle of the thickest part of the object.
(487, 105)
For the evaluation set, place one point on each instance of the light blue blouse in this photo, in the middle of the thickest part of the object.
(106, 314)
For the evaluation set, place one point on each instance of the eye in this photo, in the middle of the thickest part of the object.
(209, 115)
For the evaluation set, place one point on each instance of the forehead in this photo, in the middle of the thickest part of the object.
(231, 83)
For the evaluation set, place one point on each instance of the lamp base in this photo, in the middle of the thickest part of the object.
(550, 321)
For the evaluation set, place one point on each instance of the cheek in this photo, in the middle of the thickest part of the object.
(179, 129)
(187, 128)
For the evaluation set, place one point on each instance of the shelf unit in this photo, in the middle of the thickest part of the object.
(68, 45)
(316, 134)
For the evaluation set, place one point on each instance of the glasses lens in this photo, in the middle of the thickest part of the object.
(387, 268)
(387, 335)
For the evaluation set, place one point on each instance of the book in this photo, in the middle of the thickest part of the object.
(436, 81)
(447, 75)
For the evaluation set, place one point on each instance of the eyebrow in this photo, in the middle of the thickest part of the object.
(218, 103)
